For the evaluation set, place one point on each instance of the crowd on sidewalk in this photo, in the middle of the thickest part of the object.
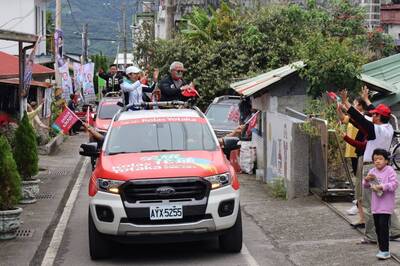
(368, 138)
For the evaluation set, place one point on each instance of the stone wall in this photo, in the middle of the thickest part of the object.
(287, 154)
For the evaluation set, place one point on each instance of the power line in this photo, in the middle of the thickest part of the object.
(73, 17)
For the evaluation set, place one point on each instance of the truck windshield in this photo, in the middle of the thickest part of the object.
(223, 115)
(153, 137)
(107, 111)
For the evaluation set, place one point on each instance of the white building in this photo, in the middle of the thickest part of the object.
(26, 16)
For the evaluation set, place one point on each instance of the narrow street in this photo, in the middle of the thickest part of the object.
(276, 232)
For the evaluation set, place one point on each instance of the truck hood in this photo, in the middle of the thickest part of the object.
(162, 164)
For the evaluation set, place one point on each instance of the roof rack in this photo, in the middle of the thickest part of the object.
(112, 94)
(164, 105)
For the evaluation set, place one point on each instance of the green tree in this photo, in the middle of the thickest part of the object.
(25, 152)
(10, 180)
(50, 28)
(225, 45)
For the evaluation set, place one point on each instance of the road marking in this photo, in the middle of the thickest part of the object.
(251, 261)
(55, 243)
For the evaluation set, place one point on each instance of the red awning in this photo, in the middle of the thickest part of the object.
(15, 81)
(9, 67)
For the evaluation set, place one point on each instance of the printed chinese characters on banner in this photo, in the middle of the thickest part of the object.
(65, 121)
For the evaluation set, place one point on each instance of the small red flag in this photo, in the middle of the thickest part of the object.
(89, 118)
(65, 121)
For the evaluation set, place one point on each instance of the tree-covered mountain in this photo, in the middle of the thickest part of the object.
(102, 16)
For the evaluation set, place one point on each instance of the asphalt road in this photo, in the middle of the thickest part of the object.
(298, 232)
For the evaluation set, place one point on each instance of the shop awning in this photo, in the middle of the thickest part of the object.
(15, 81)
(250, 86)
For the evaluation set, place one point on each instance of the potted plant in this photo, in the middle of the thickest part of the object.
(10, 192)
(26, 158)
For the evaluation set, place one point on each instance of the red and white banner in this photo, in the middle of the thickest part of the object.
(89, 118)
(65, 121)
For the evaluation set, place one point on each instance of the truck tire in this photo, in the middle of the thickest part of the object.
(99, 247)
(231, 241)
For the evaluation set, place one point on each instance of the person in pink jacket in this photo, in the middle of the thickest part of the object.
(382, 180)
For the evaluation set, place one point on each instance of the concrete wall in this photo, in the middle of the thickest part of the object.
(24, 16)
(287, 154)
(393, 30)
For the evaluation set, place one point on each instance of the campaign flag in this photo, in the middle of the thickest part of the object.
(58, 47)
(65, 121)
(89, 118)
(78, 76)
(332, 95)
(252, 122)
(88, 86)
(28, 70)
(66, 82)
(47, 102)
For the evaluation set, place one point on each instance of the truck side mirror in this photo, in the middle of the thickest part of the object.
(230, 144)
(89, 149)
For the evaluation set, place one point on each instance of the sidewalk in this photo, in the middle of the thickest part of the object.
(57, 175)
(302, 231)
(341, 207)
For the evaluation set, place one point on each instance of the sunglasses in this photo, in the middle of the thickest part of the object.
(179, 71)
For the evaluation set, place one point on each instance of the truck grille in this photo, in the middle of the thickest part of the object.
(167, 188)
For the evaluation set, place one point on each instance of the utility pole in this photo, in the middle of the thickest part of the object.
(169, 19)
(124, 32)
(58, 27)
(85, 44)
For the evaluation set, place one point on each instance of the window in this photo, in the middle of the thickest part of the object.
(219, 114)
(108, 111)
(149, 137)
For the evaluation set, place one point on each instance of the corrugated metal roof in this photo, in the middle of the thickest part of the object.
(250, 86)
(383, 73)
(9, 67)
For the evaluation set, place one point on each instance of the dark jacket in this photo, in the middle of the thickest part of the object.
(71, 105)
(169, 92)
(112, 82)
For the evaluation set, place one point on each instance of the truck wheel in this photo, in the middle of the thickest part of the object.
(231, 241)
(98, 245)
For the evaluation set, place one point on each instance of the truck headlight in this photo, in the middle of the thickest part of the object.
(218, 181)
(109, 185)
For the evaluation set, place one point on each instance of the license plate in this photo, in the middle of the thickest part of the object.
(165, 212)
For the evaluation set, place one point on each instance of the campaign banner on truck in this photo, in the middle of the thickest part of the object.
(66, 82)
(65, 121)
(88, 86)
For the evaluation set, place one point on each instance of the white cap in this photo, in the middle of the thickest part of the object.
(132, 69)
